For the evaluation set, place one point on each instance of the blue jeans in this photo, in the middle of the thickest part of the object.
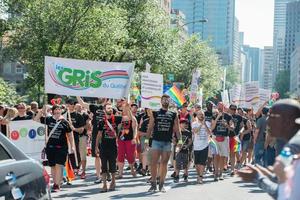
(161, 146)
(270, 154)
(259, 153)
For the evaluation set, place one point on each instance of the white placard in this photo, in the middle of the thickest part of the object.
(151, 90)
(87, 78)
(195, 86)
(251, 93)
(29, 136)
(225, 98)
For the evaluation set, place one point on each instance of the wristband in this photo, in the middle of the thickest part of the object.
(146, 141)
(180, 141)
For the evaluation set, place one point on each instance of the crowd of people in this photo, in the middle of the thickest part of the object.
(216, 139)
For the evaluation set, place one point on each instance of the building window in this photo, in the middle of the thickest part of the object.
(7, 68)
(19, 69)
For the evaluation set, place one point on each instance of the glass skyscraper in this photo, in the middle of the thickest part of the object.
(219, 30)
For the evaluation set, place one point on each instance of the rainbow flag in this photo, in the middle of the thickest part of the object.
(237, 144)
(176, 95)
(213, 147)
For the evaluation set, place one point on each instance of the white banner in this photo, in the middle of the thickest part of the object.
(151, 90)
(264, 95)
(236, 94)
(251, 93)
(29, 136)
(225, 98)
(195, 86)
(87, 78)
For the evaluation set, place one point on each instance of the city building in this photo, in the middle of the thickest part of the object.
(292, 32)
(268, 56)
(236, 45)
(219, 30)
(178, 21)
(253, 54)
(279, 35)
(295, 73)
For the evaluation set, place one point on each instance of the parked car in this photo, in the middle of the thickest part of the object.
(20, 176)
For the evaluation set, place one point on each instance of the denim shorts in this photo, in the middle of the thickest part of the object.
(161, 146)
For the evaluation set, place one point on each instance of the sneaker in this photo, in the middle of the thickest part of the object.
(128, 168)
(162, 188)
(216, 178)
(185, 178)
(173, 175)
(232, 173)
(98, 181)
(176, 179)
(210, 169)
(108, 177)
(55, 188)
(221, 177)
(135, 165)
(82, 176)
(153, 187)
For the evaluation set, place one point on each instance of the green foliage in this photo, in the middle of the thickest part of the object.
(282, 83)
(232, 76)
(106, 30)
(8, 94)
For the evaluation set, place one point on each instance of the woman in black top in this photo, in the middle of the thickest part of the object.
(59, 133)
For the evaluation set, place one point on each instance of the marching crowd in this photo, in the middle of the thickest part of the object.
(261, 147)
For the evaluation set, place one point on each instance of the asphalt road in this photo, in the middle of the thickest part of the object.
(232, 188)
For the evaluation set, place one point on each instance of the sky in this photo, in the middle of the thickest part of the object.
(256, 21)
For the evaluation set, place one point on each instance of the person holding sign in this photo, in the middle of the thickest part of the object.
(162, 124)
(57, 144)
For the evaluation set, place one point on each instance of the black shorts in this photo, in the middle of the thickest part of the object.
(56, 156)
(108, 156)
(200, 157)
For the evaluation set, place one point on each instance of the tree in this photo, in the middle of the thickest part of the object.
(232, 76)
(105, 30)
(282, 84)
(8, 94)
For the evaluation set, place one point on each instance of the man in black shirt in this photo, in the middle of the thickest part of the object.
(77, 124)
(107, 146)
(98, 115)
(162, 124)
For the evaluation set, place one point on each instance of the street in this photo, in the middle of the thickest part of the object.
(136, 188)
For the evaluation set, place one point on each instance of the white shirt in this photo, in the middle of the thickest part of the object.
(201, 137)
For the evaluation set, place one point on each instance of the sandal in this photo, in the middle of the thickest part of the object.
(103, 190)
(112, 187)
(119, 177)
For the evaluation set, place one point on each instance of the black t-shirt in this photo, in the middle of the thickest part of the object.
(144, 125)
(247, 136)
(125, 131)
(221, 130)
(237, 120)
(58, 138)
(26, 117)
(107, 133)
(3, 130)
(78, 122)
(186, 136)
(98, 115)
(163, 125)
(208, 116)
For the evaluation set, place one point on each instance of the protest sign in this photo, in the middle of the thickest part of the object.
(151, 90)
(195, 86)
(251, 93)
(29, 136)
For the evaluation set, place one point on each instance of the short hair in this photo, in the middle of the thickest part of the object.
(165, 96)
(56, 106)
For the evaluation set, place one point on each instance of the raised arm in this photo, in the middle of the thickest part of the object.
(82, 103)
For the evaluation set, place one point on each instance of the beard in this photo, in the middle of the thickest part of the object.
(165, 105)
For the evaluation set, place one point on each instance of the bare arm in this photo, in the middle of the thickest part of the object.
(177, 129)
(151, 124)
(82, 103)
(134, 127)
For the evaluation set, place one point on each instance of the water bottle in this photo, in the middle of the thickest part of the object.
(286, 156)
